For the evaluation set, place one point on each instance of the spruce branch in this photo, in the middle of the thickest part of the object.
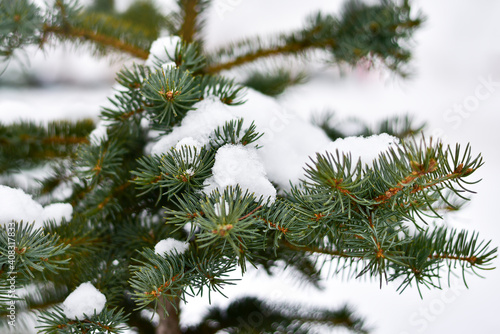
(228, 223)
(239, 317)
(189, 57)
(70, 32)
(180, 170)
(432, 248)
(155, 277)
(33, 250)
(231, 133)
(227, 90)
(362, 32)
(20, 22)
(108, 321)
(28, 144)
(171, 95)
(26, 24)
(97, 162)
(69, 21)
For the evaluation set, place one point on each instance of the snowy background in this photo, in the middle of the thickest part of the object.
(457, 67)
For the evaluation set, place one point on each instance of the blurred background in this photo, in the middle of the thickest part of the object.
(454, 88)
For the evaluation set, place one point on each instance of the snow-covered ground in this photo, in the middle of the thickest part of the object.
(455, 89)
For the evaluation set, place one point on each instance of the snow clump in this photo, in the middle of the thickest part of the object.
(84, 300)
(16, 205)
(170, 245)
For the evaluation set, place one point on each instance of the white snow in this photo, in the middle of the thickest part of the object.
(168, 246)
(366, 149)
(85, 299)
(197, 126)
(99, 134)
(240, 165)
(161, 49)
(16, 205)
(57, 212)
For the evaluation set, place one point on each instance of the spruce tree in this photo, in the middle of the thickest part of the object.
(168, 195)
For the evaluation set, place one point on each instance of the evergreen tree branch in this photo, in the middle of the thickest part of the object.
(292, 48)
(361, 32)
(30, 250)
(71, 32)
(351, 212)
(108, 321)
(251, 315)
(28, 144)
(71, 22)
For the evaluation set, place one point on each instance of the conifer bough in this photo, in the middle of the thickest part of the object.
(186, 180)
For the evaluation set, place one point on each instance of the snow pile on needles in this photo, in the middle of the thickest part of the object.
(287, 144)
(170, 246)
(16, 205)
(83, 301)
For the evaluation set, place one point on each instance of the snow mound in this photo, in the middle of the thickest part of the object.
(240, 165)
(85, 299)
(168, 246)
(16, 205)
(161, 49)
